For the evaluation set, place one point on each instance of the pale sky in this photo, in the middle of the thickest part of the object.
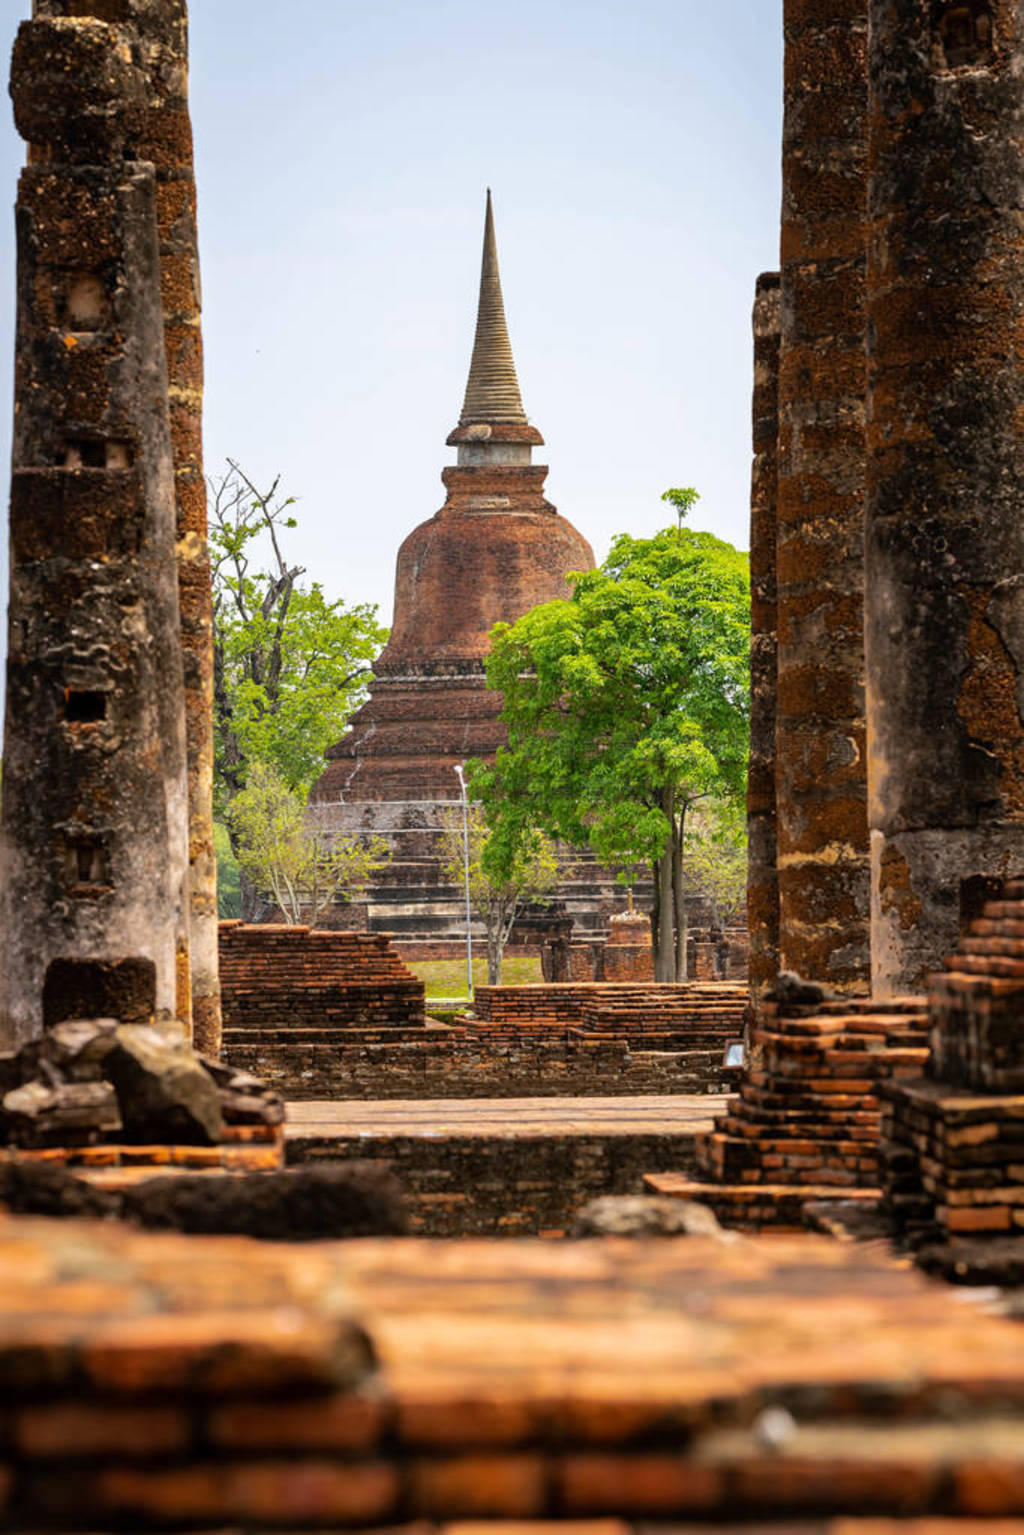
(343, 151)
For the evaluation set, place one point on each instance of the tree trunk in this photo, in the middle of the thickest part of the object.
(678, 897)
(250, 898)
(495, 954)
(664, 948)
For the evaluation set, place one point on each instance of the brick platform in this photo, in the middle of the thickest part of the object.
(510, 1167)
(806, 1122)
(526, 1041)
(275, 976)
(562, 1004)
(172, 1383)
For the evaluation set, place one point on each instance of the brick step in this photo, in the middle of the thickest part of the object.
(861, 1005)
(873, 1029)
(768, 1206)
(987, 965)
(354, 1038)
(806, 1129)
(750, 1150)
(867, 1048)
(983, 946)
(995, 927)
(797, 1145)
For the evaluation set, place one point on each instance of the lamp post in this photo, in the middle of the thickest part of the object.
(465, 848)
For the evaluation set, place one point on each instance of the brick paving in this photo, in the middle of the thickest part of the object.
(512, 1117)
(163, 1382)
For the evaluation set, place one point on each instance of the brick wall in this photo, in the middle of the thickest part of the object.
(280, 977)
(561, 1005)
(457, 1064)
(497, 1185)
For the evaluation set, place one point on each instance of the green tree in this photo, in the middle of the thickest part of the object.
(716, 860)
(627, 706)
(229, 886)
(497, 891)
(305, 870)
(289, 665)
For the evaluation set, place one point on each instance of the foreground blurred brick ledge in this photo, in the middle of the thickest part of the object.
(246, 1149)
(166, 1383)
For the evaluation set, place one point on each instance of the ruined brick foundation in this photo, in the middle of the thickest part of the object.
(333, 1040)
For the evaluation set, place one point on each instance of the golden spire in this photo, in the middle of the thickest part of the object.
(492, 393)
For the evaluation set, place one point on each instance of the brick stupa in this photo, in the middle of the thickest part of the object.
(495, 549)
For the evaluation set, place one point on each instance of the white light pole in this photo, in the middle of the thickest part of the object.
(465, 848)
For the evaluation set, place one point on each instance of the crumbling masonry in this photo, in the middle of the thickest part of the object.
(903, 167)
(945, 537)
(151, 37)
(762, 816)
(95, 804)
(820, 755)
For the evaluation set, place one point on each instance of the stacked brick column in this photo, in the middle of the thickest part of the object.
(945, 538)
(95, 809)
(805, 1124)
(820, 764)
(953, 1140)
(762, 867)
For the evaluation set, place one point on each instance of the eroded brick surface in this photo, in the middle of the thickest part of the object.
(820, 762)
(805, 1123)
(600, 1380)
(945, 463)
(335, 1015)
(509, 1166)
(95, 791)
(762, 828)
(952, 1148)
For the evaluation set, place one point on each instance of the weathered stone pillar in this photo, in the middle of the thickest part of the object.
(167, 141)
(820, 763)
(945, 531)
(762, 865)
(95, 807)
(161, 30)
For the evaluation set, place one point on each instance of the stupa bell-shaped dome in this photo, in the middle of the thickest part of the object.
(495, 549)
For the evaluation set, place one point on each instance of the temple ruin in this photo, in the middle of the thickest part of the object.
(898, 391)
(495, 549)
(811, 1383)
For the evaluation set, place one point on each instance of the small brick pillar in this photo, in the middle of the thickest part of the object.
(951, 1139)
(628, 955)
(762, 864)
(820, 764)
(95, 802)
(945, 537)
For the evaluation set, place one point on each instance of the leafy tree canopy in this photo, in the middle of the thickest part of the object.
(290, 666)
(716, 860)
(305, 869)
(626, 705)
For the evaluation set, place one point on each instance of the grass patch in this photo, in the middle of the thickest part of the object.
(447, 977)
